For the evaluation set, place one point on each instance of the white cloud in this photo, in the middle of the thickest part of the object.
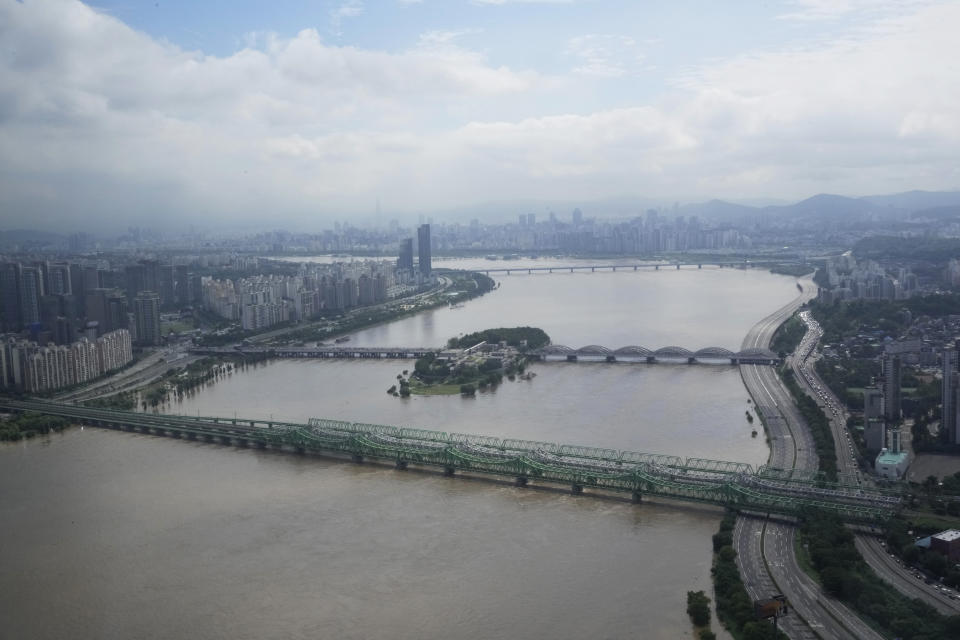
(99, 120)
(605, 55)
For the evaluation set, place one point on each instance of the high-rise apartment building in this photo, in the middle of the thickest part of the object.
(10, 296)
(31, 290)
(890, 372)
(405, 260)
(423, 245)
(949, 393)
(147, 314)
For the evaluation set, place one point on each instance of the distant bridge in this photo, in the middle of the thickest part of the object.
(636, 353)
(332, 351)
(731, 484)
(591, 353)
(644, 266)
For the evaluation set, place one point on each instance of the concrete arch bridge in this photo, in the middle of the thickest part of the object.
(636, 353)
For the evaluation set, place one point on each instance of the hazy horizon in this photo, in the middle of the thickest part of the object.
(171, 113)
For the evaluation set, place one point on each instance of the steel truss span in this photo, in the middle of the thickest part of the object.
(732, 484)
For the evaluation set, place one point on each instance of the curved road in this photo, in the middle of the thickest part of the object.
(766, 550)
(888, 568)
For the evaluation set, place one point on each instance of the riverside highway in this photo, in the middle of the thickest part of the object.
(766, 549)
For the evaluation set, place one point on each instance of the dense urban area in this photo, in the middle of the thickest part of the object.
(130, 321)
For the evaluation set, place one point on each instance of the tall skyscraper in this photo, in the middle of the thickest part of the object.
(948, 394)
(10, 296)
(890, 370)
(405, 260)
(31, 290)
(147, 313)
(423, 243)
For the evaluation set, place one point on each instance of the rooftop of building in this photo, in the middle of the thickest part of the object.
(947, 536)
(890, 458)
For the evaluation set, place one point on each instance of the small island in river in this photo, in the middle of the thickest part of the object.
(475, 361)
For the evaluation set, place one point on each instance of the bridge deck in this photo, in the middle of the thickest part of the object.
(730, 484)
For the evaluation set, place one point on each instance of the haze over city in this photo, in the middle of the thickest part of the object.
(297, 115)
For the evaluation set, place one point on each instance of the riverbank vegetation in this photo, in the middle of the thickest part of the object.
(29, 425)
(438, 376)
(698, 608)
(734, 606)
(518, 337)
(844, 574)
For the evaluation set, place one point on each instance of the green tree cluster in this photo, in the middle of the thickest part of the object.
(734, 606)
(788, 336)
(819, 425)
(28, 425)
(513, 336)
(698, 608)
(847, 577)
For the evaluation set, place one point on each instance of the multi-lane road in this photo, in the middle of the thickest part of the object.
(766, 549)
(906, 580)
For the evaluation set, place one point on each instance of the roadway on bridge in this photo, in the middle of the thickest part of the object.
(766, 549)
(875, 554)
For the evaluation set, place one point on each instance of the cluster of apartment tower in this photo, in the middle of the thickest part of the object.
(263, 301)
(60, 302)
(29, 367)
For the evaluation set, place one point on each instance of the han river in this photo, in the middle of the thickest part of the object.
(119, 535)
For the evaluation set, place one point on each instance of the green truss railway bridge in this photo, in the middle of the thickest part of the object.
(729, 484)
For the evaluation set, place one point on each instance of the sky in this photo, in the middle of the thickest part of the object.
(295, 114)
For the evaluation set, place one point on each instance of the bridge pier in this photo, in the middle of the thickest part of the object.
(699, 266)
(357, 458)
(176, 434)
(261, 444)
(576, 489)
(225, 440)
(611, 358)
(614, 268)
(656, 267)
(449, 471)
(191, 435)
(651, 360)
(401, 465)
(551, 270)
(208, 437)
(678, 267)
(691, 360)
(242, 442)
(529, 271)
(593, 269)
(571, 269)
(636, 498)
(571, 358)
(520, 481)
(634, 267)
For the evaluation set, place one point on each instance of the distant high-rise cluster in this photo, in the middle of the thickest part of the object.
(264, 301)
(59, 302)
(849, 279)
(29, 367)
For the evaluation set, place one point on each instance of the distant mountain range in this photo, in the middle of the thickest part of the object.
(827, 207)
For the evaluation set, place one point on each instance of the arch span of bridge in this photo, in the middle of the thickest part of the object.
(731, 484)
(636, 353)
